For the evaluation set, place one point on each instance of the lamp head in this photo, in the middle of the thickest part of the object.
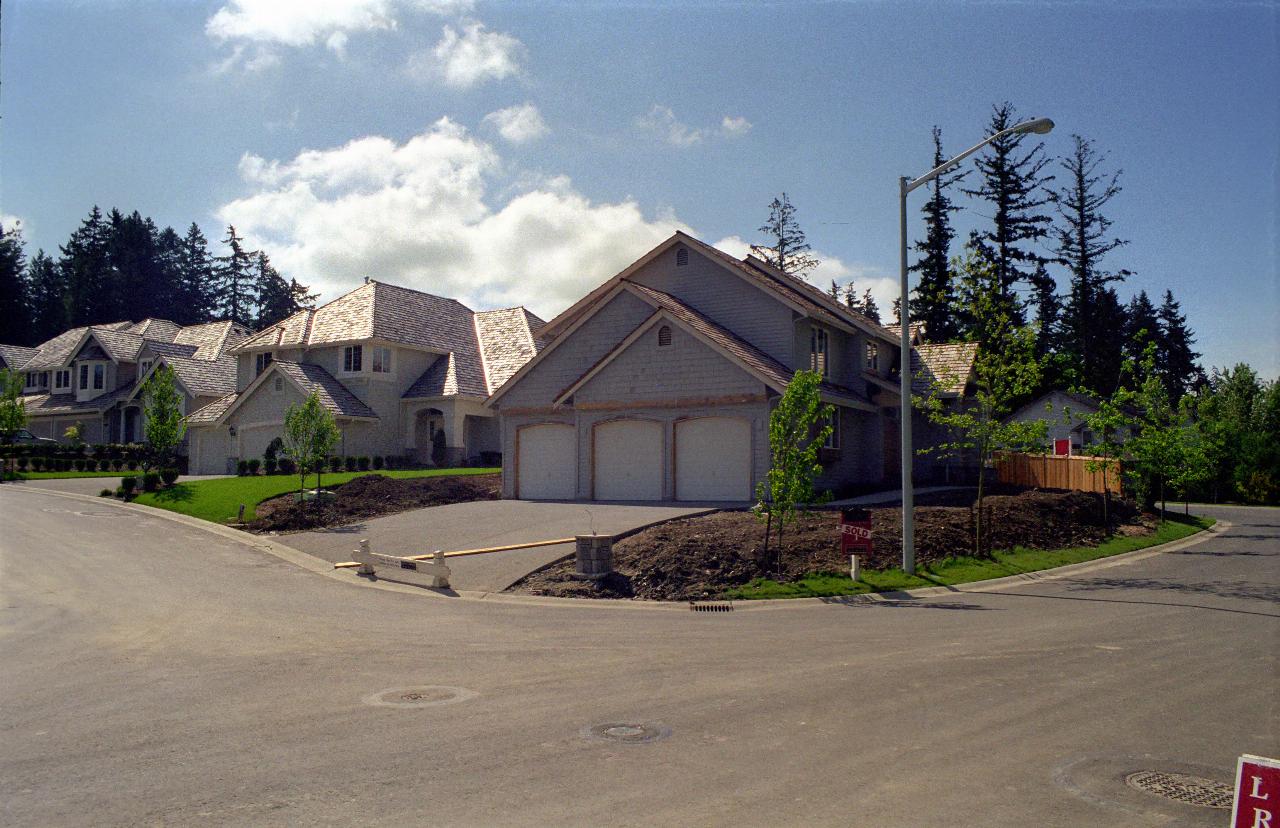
(1040, 126)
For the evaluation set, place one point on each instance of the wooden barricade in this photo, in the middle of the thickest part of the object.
(1045, 471)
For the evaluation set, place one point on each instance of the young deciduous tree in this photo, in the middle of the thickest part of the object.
(798, 427)
(310, 433)
(933, 301)
(164, 423)
(789, 251)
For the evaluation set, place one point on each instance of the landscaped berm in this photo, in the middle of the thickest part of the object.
(721, 555)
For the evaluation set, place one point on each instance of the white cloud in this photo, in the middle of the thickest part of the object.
(418, 214)
(518, 124)
(11, 222)
(463, 59)
(662, 121)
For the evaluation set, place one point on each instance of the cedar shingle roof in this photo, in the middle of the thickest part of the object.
(14, 357)
(53, 353)
(42, 405)
(212, 339)
(333, 394)
(507, 341)
(171, 349)
(161, 330)
(948, 365)
(204, 377)
(212, 412)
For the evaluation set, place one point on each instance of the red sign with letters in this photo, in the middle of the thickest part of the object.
(855, 534)
(1257, 801)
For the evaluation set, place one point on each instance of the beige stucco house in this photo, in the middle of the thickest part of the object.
(394, 366)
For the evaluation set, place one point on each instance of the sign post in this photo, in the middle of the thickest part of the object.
(855, 538)
(1257, 799)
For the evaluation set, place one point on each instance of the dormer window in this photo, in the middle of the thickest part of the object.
(353, 359)
(682, 256)
(260, 362)
(664, 336)
(62, 379)
(818, 350)
(873, 356)
(381, 360)
(99, 377)
(84, 377)
(144, 366)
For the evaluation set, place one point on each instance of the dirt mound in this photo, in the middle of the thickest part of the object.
(701, 557)
(370, 496)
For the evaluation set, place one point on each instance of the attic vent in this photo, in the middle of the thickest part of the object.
(664, 336)
(682, 256)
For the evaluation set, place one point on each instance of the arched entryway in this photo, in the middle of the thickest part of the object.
(428, 448)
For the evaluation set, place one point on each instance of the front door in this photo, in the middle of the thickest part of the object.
(131, 434)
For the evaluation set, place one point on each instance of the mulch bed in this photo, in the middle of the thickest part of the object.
(371, 496)
(701, 557)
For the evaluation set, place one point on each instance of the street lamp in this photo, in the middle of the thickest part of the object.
(1039, 126)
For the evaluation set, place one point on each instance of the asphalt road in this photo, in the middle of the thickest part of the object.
(154, 673)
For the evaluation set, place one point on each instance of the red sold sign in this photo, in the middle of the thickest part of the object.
(855, 534)
(1257, 802)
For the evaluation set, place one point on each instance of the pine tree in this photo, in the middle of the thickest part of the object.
(273, 294)
(15, 317)
(301, 295)
(1012, 181)
(789, 252)
(1091, 338)
(835, 290)
(1141, 327)
(48, 298)
(86, 271)
(235, 280)
(142, 285)
(897, 311)
(869, 307)
(197, 285)
(934, 299)
(1177, 367)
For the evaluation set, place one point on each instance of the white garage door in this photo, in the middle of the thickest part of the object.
(547, 461)
(628, 460)
(713, 459)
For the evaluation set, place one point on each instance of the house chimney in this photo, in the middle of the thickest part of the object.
(366, 280)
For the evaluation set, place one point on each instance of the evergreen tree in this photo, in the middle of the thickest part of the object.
(197, 287)
(1177, 367)
(15, 319)
(1012, 180)
(897, 311)
(834, 291)
(789, 251)
(169, 262)
(1141, 327)
(274, 296)
(235, 281)
(1048, 318)
(934, 299)
(86, 270)
(1091, 325)
(869, 307)
(302, 295)
(143, 285)
(47, 299)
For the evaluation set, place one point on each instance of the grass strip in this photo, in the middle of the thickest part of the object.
(963, 570)
(219, 501)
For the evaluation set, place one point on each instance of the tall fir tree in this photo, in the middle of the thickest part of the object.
(1012, 180)
(302, 295)
(274, 296)
(235, 281)
(1177, 367)
(15, 318)
(789, 251)
(197, 282)
(86, 269)
(934, 299)
(47, 298)
(1092, 327)
(869, 307)
(1141, 326)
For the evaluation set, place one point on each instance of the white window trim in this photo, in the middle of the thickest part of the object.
(262, 361)
(833, 439)
(388, 365)
(350, 349)
(820, 351)
(68, 385)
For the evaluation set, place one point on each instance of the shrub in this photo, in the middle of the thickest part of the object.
(150, 481)
(378, 463)
(127, 484)
(393, 462)
(287, 466)
(363, 462)
(37, 463)
(104, 465)
(116, 464)
(352, 464)
(335, 465)
(254, 465)
(119, 492)
(22, 464)
(131, 464)
(79, 465)
(272, 451)
(169, 475)
(105, 493)
(242, 468)
(269, 465)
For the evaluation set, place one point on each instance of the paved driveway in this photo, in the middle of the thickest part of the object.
(483, 524)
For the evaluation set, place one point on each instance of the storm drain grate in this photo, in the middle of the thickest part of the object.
(1181, 787)
(422, 695)
(696, 607)
(628, 733)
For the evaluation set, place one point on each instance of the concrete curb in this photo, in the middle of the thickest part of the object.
(325, 568)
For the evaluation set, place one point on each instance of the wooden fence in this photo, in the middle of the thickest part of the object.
(1045, 471)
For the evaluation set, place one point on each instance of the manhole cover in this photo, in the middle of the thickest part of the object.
(426, 695)
(628, 733)
(1182, 787)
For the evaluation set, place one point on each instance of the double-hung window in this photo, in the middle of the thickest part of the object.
(833, 439)
(99, 377)
(381, 360)
(84, 377)
(873, 356)
(62, 379)
(818, 350)
(260, 362)
(353, 359)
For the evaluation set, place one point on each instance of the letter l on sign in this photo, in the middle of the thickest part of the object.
(1257, 798)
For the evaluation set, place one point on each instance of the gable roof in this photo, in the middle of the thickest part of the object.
(507, 341)
(14, 357)
(950, 366)
(333, 395)
(211, 413)
(161, 330)
(200, 377)
(54, 353)
(212, 339)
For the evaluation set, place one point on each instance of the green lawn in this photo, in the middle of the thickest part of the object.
(962, 570)
(62, 475)
(219, 500)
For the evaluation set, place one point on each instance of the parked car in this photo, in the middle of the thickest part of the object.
(25, 437)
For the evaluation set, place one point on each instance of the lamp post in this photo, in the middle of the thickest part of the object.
(1040, 126)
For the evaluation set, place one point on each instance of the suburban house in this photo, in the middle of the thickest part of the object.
(658, 385)
(93, 375)
(1064, 413)
(395, 366)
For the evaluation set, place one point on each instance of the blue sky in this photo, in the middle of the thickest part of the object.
(519, 153)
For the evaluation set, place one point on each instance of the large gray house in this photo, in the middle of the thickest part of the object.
(658, 385)
(395, 367)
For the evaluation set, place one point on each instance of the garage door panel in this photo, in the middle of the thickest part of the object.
(546, 462)
(713, 459)
(628, 460)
